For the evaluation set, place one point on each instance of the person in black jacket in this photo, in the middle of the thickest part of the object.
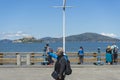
(60, 64)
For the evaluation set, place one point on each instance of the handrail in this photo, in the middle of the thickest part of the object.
(30, 58)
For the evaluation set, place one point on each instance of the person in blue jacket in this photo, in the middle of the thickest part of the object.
(53, 55)
(49, 57)
(81, 55)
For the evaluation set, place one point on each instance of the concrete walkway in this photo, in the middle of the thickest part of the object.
(80, 72)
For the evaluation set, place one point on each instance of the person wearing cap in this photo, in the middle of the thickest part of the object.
(108, 55)
(46, 49)
(115, 49)
(81, 55)
(60, 64)
(50, 60)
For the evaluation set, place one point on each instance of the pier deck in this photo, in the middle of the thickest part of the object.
(80, 72)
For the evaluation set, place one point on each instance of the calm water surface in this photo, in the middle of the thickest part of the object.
(70, 46)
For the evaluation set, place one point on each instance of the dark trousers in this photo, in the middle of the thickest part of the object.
(115, 56)
(81, 57)
(50, 61)
(62, 78)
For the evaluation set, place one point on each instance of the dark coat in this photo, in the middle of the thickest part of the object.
(60, 65)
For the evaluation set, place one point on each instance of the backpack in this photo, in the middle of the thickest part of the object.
(115, 50)
(68, 69)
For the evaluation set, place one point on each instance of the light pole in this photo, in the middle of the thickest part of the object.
(64, 21)
(64, 24)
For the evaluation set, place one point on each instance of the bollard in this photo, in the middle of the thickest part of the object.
(28, 59)
(99, 62)
(32, 57)
(94, 54)
(1, 58)
(18, 59)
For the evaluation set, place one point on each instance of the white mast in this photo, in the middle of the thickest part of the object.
(64, 24)
(64, 21)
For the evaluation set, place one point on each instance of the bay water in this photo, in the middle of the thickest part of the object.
(70, 46)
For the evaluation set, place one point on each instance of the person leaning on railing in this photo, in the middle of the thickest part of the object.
(108, 55)
(81, 55)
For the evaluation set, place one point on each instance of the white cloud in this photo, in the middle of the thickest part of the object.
(109, 34)
(16, 35)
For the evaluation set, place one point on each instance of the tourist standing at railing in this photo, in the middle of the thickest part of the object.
(50, 60)
(46, 49)
(81, 55)
(114, 48)
(109, 55)
(45, 55)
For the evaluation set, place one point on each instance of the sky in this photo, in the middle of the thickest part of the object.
(38, 18)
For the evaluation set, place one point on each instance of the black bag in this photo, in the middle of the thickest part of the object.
(115, 50)
(68, 69)
(54, 75)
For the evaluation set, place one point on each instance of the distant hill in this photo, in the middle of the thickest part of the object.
(49, 39)
(6, 41)
(85, 37)
(91, 37)
(94, 37)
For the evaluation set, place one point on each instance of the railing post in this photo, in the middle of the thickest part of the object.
(1, 58)
(28, 59)
(32, 57)
(18, 59)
